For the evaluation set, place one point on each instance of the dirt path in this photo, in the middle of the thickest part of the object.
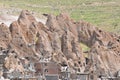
(8, 19)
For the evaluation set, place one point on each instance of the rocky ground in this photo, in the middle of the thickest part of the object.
(58, 40)
(8, 19)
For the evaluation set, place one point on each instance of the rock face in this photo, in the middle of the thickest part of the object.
(5, 36)
(13, 63)
(105, 47)
(59, 41)
(65, 42)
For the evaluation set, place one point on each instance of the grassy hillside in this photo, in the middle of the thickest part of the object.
(102, 13)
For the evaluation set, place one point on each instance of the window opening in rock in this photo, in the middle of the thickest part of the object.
(75, 64)
(100, 31)
(118, 40)
(27, 58)
(79, 62)
(18, 63)
(21, 45)
(45, 64)
(5, 36)
(86, 60)
(78, 69)
(15, 56)
(46, 70)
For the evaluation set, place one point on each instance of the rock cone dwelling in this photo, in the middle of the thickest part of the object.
(33, 50)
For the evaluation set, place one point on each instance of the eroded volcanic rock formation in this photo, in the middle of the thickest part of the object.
(59, 41)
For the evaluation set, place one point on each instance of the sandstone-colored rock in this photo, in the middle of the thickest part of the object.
(105, 46)
(18, 41)
(59, 41)
(65, 40)
(5, 36)
(12, 63)
(105, 59)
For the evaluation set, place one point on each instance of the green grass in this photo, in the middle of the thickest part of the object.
(84, 47)
(101, 13)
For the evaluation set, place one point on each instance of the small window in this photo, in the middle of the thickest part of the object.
(13, 51)
(21, 45)
(98, 46)
(79, 62)
(18, 62)
(75, 64)
(0, 48)
(20, 37)
(118, 40)
(4, 51)
(27, 58)
(46, 70)
(100, 31)
(45, 64)
(78, 69)
(29, 65)
(15, 56)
